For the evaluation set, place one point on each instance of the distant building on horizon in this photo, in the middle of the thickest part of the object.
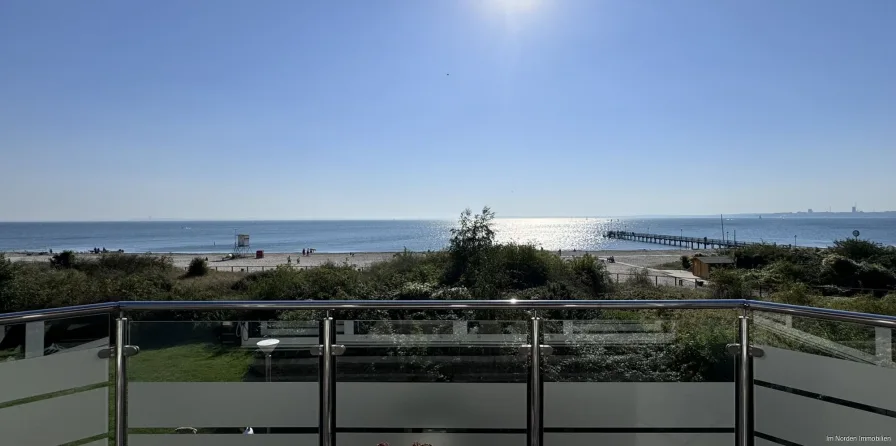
(810, 210)
(853, 209)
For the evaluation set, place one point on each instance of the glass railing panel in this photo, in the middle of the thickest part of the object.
(639, 377)
(55, 382)
(219, 381)
(432, 377)
(820, 381)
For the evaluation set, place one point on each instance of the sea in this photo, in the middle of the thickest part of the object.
(422, 235)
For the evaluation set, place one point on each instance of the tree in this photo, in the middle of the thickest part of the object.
(470, 242)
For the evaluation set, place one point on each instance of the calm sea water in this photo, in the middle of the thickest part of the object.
(418, 235)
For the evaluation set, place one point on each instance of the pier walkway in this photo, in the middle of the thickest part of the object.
(675, 240)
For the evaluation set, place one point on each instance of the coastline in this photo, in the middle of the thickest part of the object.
(624, 259)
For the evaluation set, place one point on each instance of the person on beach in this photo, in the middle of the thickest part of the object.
(303, 252)
(288, 260)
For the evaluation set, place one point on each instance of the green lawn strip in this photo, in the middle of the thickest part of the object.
(190, 363)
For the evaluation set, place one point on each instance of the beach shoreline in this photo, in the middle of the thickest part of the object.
(624, 259)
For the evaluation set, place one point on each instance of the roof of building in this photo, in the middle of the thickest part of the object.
(715, 260)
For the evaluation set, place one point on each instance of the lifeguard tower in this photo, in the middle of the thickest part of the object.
(241, 247)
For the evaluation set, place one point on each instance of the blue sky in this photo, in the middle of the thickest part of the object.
(223, 109)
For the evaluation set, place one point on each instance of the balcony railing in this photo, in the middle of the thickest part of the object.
(447, 373)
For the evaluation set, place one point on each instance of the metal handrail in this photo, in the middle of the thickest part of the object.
(21, 317)
(877, 320)
(431, 305)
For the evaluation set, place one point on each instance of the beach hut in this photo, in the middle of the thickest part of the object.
(702, 266)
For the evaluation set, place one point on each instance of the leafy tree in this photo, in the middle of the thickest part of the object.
(470, 242)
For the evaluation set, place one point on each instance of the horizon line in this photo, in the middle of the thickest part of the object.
(198, 220)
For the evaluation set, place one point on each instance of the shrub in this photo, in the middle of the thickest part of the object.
(685, 263)
(198, 267)
(591, 273)
(453, 293)
(872, 275)
(515, 267)
(244, 283)
(8, 273)
(729, 284)
(640, 278)
(862, 250)
(794, 294)
(64, 259)
(131, 264)
(326, 282)
(557, 291)
(414, 291)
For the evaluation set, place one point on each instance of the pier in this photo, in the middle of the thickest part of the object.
(675, 240)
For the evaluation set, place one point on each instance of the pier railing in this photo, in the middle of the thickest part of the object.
(675, 240)
(537, 372)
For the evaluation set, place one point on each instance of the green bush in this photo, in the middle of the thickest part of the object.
(794, 294)
(591, 273)
(730, 284)
(453, 293)
(64, 259)
(130, 263)
(8, 273)
(198, 267)
(865, 251)
(685, 263)
(875, 276)
(414, 291)
(326, 282)
(640, 278)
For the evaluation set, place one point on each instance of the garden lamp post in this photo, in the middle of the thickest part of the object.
(267, 347)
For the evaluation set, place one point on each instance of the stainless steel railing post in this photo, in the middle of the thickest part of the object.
(744, 412)
(121, 381)
(327, 383)
(533, 425)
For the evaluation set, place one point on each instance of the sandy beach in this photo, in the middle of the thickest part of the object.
(624, 260)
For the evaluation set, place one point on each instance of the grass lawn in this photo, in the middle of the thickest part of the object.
(190, 363)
